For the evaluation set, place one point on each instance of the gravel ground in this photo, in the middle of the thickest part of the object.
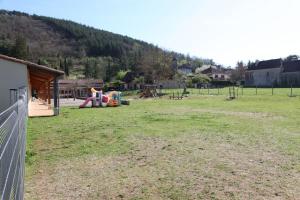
(69, 102)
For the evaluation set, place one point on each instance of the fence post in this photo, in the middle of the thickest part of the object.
(233, 89)
(256, 90)
(272, 90)
(291, 90)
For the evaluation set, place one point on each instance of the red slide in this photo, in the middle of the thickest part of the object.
(86, 102)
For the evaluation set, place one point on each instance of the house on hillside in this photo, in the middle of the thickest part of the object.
(275, 72)
(33, 80)
(216, 73)
(185, 69)
(204, 67)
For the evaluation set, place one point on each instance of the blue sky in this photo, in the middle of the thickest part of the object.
(224, 30)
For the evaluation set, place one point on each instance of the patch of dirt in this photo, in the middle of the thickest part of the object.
(185, 167)
(256, 115)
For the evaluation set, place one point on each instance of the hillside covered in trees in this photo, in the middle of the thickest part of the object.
(83, 51)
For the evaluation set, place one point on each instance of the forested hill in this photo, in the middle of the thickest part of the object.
(83, 51)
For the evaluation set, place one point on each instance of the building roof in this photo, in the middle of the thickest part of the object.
(205, 67)
(266, 64)
(291, 66)
(32, 65)
(215, 70)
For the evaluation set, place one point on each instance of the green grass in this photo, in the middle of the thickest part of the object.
(239, 91)
(262, 122)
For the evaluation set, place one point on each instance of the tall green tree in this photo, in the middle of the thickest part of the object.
(238, 74)
(20, 49)
(88, 71)
(66, 67)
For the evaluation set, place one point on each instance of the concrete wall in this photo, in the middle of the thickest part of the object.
(12, 76)
(290, 78)
(170, 84)
(263, 77)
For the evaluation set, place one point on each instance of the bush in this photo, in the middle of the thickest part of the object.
(200, 78)
(121, 74)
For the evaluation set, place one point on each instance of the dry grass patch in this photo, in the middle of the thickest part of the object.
(185, 167)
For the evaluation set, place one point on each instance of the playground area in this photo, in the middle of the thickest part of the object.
(199, 147)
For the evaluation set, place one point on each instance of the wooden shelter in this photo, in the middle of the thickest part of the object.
(39, 81)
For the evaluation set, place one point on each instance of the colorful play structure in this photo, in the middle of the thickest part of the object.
(98, 99)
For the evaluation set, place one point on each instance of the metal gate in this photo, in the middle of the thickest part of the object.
(12, 148)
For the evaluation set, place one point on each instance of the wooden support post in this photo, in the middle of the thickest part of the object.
(233, 89)
(49, 94)
(55, 97)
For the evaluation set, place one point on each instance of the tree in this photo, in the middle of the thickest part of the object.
(20, 49)
(5, 47)
(121, 74)
(88, 71)
(139, 80)
(61, 66)
(238, 74)
(66, 67)
(111, 68)
(200, 79)
(291, 58)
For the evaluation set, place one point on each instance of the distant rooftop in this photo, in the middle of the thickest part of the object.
(291, 66)
(266, 64)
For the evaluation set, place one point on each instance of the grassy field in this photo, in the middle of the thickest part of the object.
(201, 147)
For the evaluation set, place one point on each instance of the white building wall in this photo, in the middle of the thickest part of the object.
(12, 76)
(264, 77)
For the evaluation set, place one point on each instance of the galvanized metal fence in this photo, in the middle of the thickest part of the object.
(12, 148)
